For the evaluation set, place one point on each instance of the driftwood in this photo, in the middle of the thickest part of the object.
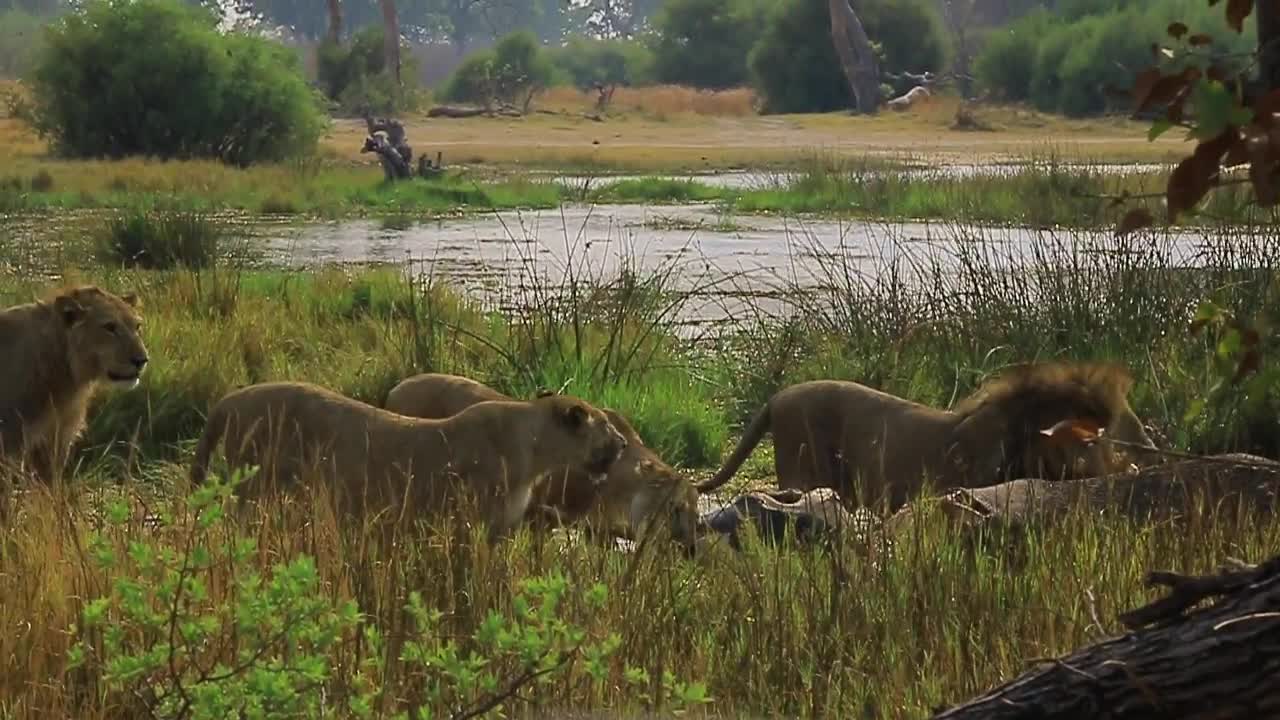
(1217, 663)
(1219, 485)
(394, 165)
(388, 140)
(467, 111)
(908, 99)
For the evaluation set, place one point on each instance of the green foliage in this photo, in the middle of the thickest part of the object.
(256, 646)
(354, 75)
(161, 240)
(795, 73)
(513, 72)
(1007, 59)
(191, 629)
(585, 62)
(1065, 62)
(155, 77)
(705, 43)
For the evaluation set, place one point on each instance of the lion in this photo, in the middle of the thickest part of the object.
(375, 460)
(832, 433)
(640, 487)
(54, 355)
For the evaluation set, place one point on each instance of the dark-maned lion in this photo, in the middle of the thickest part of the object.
(374, 460)
(639, 487)
(850, 437)
(54, 354)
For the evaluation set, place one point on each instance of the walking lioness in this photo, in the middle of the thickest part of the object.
(852, 438)
(639, 488)
(375, 460)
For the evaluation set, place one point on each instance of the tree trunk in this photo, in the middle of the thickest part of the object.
(856, 56)
(1268, 43)
(391, 38)
(335, 21)
(1218, 663)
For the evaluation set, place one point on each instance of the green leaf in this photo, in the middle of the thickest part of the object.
(1158, 128)
(1214, 106)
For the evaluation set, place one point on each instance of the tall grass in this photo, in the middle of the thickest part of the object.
(794, 633)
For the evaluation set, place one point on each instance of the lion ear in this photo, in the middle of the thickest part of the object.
(132, 299)
(69, 309)
(575, 416)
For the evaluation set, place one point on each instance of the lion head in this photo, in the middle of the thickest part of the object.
(102, 332)
(580, 430)
(665, 498)
(1027, 400)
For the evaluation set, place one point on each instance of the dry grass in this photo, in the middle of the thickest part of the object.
(659, 102)
(667, 129)
(772, 633)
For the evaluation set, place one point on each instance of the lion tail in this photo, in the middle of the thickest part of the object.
(750, 438)
(215, 426)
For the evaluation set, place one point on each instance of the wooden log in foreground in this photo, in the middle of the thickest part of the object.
(1221, 662)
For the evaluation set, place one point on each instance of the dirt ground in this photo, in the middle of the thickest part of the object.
(654, 132)
(692, 142)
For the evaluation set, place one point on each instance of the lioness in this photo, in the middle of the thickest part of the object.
(54, 354)
(639, 487)
(831, 433)
(375, 460)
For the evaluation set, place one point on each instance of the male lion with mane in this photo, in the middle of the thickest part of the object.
(375, 460)
(846, 436)
(640, 487)
(54, 354)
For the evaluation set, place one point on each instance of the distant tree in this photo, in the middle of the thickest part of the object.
(603, 65)
(512, 73)
(794, 64)
(705, 43)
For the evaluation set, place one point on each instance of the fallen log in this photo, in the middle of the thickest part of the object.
(1218, 485)
(1217, 663)
(455, 111)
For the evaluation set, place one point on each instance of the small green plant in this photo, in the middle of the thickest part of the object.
(189, 629)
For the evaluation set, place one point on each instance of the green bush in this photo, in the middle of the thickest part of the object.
(705, 43)
(155, 77)
(1064, 62)
(585, 61)
(795, 73)
(355, 76)
(513, 72)
(1005, 64)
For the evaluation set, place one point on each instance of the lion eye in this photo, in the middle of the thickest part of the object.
(109, 327)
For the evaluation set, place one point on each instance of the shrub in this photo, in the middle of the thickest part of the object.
(513, 72)
(794, 73)
(1064, 62)
(705, 43)
(155, 77)
(355, 75)
(585, 62)
(1004, 67)
(160, 240)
